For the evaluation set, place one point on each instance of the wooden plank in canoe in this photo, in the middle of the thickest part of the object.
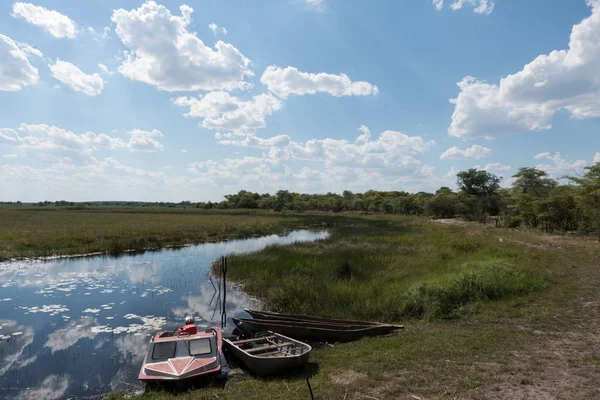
(254, 340)
(265, 348)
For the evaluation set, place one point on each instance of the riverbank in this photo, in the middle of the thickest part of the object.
(28, 232)
(538, 344)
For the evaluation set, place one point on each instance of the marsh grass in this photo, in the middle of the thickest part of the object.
(50, 231)
(392, 269)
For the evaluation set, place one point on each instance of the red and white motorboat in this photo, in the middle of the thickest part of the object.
(184, 354)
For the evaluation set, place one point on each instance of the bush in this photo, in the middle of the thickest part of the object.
(448, 296)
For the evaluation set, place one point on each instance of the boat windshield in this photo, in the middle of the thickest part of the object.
(164, 350)
(200, 347)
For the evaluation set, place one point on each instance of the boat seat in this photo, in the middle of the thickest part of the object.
(255, 340)
(189, 329)
(266, 348)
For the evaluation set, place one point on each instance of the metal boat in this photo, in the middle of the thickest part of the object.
(183, 355)
(270, 353)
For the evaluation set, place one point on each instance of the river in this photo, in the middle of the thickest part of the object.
(79, 327)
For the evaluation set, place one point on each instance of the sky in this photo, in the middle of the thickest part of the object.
(191, 100)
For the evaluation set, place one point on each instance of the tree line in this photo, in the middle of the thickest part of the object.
(533, 200)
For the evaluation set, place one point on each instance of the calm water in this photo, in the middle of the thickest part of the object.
(79, 327)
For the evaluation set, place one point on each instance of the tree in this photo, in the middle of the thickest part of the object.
(478, 195)
(478, 182)
(531, 185)
(589, 194)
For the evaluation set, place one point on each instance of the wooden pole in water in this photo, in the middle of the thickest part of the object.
(224, 273)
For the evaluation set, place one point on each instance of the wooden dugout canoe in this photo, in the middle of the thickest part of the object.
(312, 330)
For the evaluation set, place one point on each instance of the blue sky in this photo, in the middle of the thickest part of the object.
(190, 100)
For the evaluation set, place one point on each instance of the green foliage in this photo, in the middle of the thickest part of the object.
(589, 194)
(478, 183)
(442, 205)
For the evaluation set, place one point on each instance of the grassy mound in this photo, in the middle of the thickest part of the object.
(477, 281)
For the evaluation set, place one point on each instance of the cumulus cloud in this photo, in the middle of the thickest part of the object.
(286, 81)
(221, 111)
(16, 72)
(217, 29)
(145, 141)
(390, 150)
(528, 100)
(475, 151)
(175, 60)
(76, 79)
(52, 139)
(58, 25)
(597, 158)
(366, 134)
(497, 167)
(386, 162)
(559, 166)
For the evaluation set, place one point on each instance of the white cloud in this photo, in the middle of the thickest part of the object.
(560, 166)
(479, 6)
(104, 69)
(58, 25)
(29, 50)
(391, 150)
(9, 155)
(366, 134)
(597, 158)
(183, 150)
(77, 80)
(175, 60)
(475, 151)
(317, 5)
(145, 141)
(221, 111)
(52, 139)
(105, 32)
(452, 172)
(497, 167)
(528, 100)
(90, 29)
(286, 81)
(386, 162)
(15, 71)
(216, 29)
